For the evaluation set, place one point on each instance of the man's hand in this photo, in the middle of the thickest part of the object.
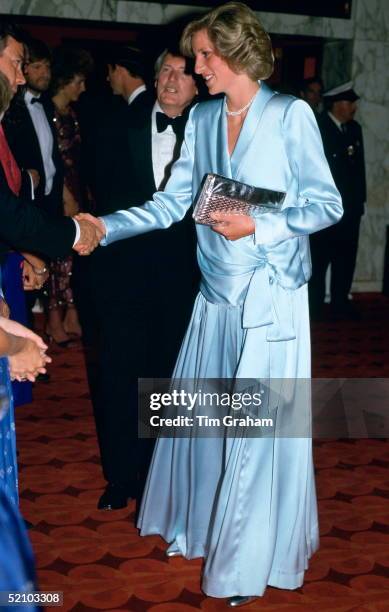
(95, 220)
(233, 226)
(90, 237)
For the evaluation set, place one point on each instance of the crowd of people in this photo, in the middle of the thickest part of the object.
(131, 299)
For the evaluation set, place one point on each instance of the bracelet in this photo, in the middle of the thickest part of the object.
(39, 271)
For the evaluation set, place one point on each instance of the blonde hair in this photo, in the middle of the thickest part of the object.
(239, 38)
(5, 93)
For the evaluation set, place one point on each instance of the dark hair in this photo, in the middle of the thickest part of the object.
(67, 62)
(9, 29)
(305, 83)
(131, 58)
(37, 50)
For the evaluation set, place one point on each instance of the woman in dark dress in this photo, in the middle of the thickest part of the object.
(69, 71)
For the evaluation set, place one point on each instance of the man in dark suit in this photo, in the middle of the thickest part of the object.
(30, 132)
(311, 90)
(338, 245)
(111, 177)
(22, 225)
(31, 135)
(135, 282)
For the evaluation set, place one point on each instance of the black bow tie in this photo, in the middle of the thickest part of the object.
(177, 123)
(33, 100)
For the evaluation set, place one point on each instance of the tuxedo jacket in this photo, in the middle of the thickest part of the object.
(345, 157)
(26, 227)
(149, 266)
(24, 144)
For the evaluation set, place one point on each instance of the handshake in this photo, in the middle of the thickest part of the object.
(92, 230)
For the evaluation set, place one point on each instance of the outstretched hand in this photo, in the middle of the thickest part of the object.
(92, 231)
(95, 220)
(233, 226)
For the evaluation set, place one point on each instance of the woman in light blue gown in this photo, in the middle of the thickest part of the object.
(247, 505)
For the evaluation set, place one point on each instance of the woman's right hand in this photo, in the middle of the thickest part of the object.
(28, 362)
(17, 329)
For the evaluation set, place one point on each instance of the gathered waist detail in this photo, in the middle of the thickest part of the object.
(264, 300)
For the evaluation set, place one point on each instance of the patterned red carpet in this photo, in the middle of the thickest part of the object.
(100, 563)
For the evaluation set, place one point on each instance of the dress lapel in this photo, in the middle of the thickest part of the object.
(249, 128)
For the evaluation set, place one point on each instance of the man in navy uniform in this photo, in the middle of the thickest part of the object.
(338, 245)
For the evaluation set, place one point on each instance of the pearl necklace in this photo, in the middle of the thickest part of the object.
(241, 110)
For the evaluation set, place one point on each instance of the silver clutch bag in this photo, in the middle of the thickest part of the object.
(221, 194)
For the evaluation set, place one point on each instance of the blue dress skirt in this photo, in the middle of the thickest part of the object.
(247, 505)
(17, 571)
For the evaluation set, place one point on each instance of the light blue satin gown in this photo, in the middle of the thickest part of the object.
(247, 505)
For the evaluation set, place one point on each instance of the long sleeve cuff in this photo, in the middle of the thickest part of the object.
(104, 240)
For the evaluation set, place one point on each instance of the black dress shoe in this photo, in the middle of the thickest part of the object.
(114, 497)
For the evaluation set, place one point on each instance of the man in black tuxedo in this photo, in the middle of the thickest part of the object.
(22, 225)
(338, 245)
(30, 131)
(136, 282)
(31, 135)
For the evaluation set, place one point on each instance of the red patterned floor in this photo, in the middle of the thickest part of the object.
(100, 563)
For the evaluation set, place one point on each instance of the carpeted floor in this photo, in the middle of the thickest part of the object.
(100, 563)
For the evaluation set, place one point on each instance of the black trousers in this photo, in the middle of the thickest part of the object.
(125, 353)
(336, 246)
(127, 338)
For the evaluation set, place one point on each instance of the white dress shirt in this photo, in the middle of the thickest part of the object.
(136, 93)
(336, 121)
(45, 138)
(162, 146)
